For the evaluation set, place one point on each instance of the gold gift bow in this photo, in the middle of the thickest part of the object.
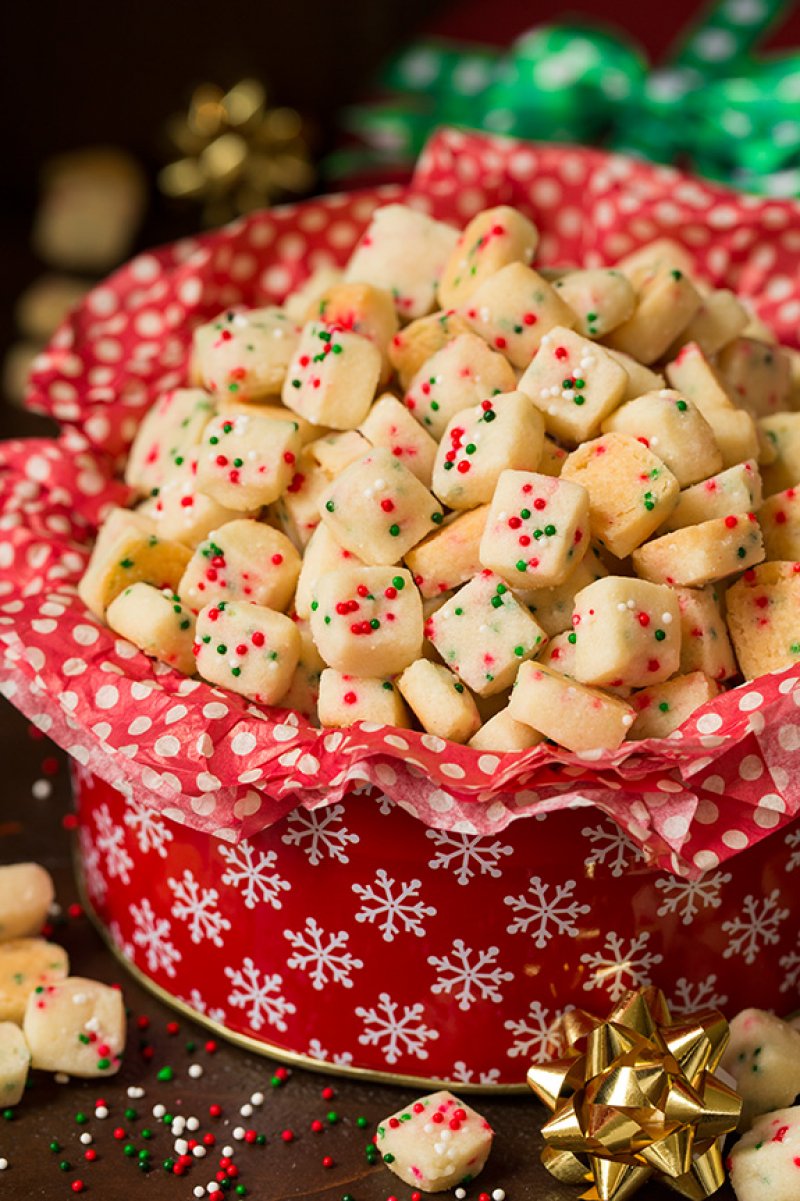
(635, 1097)
(237, 154)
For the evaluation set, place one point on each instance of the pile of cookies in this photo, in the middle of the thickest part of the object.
(443, 488)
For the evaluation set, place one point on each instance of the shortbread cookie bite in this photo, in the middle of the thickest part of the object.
(168, 432)
(27, 964)
(779, 518)
(502, 733)
(247, 648)
(247, 461)
(346, 699)
(720, 319)
(640, 379)
(663, 708)
(627, 633)
(57, 1016)
(492, 239)
(333, 452)
(442, 704)
(483, 633)
(404, 252)
(297, 511)
(15, 1061)
(333, 376)
(575, 384)
(666, 303)
(763, 1056)
(631, 491)
(450, 556)
(412, 1142)
(378, 509)
(701, 554)
(245, 353)
(182, 513)
(756, 374)
(783, 434)
(765, 1163)
(600, 297)
(513, 310)
(26, 894)
(674, 429)
(763, 614)
(736, 490)
(128, 550)
(419, 341)
(480, 443)
(553, 457)
(323, 554)
(642, 265)
(537, 530)
(243, 560)
(463, 373)
(363, 310)
(705, 645)
(390, 425)
(577, 717)
(157, 623)
(367, 621)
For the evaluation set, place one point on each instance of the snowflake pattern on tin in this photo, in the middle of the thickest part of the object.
(320, 833)
(755, 927)
(792, 841)
(467, 980)
(611, 848)
(467, 855)
(260, 995)
(199, 907)
(93, 875)
(317, 1051)
(111, 842)
(691, 995)
(544, 917)
(465, 1075)
(392, 912)
(791, 966)
(152, 934)
(152, 832)
(537, 1036)
(254, 873)
(396, 1029)
(622, 964)
(687, 897)
(119, 941)
(322, 955)
(198, 1003)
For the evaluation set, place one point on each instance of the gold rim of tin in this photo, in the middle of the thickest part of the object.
(262, 1047)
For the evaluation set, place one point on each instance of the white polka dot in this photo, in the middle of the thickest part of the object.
(106, 697)
(250, 777)
(387, 776)
(769, 810)
(144, 268)
(667, 785)
(735, 839)
(496, 811)
(396, 741)
(453, 770)
(488, 764)
(248, 805)
(204, 806)
(751, 768)
(790, 312)
(276, 279)
(709, 723)
(750, 700)
(141, 689)
(675, 826)
(440, 801)
(522, 164)
(190, 291)
(569, 222)
(434, 743)
(756, 723)
(714, 784)
(291, 246)
(787, 685)
(108, 350)
(167, 746)
(175, 713)
(789, 737)
(44, 626)
(779, 287)
(706, 813)
(469, 201)
(207, 782)
(139, 725)
(706, 860)
(723, 216)
(342, 234)
(243, 743)
(204, 746)
(215, 709)
(546, 193)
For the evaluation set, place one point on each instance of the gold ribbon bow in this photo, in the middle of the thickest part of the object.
(635, 1097)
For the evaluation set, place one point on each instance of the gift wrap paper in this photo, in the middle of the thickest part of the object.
(380, 898)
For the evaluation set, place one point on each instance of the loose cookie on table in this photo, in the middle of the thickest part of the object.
(765, 1164)
(15, 1061)
(247, 648)
(25, 964)
(26, 894)
(435, 1143)
(76, 1026)
(763, 1056)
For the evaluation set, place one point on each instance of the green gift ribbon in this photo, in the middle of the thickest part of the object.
(714, 107)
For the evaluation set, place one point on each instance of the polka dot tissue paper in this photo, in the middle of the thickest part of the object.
(249, 863)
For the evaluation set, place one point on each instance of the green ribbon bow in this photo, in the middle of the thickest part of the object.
(715, 107)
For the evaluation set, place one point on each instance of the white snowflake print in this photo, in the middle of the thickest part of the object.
(620, 967)
(317, 1051)
(200, 907)
(152, 934)
(612, 848)
(466, 1075)
(120, 942)
(393, 913)
(543, 918)
(200, 1005)
(467, 981)
(691, 995)
(96, 882)
(395, 1028)
(537, 1036)
(152, 832)
(385, 804)
(324, 956)
(467, 855)
(321, 834)
(793, 842)
(756, 926)
(254, 872)
(260, 998)
(688, 897)
(111, 841)
(791, 966)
